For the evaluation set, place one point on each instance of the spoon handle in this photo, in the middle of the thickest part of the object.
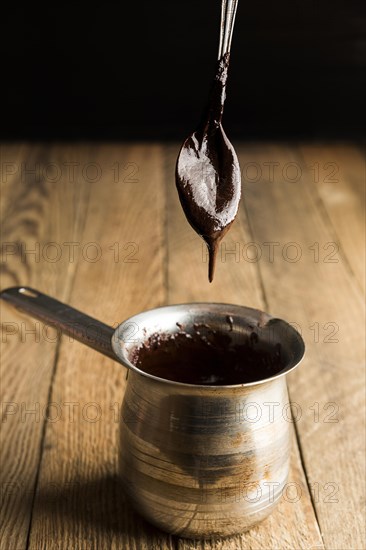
(228, 13)
(70, 321)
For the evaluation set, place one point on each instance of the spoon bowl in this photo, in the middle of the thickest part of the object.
(207, 169)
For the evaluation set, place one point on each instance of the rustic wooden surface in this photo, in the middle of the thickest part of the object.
(109, 237)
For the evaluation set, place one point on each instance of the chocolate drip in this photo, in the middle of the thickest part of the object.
(208, 173)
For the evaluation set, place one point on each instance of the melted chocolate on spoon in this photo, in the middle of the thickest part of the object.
(208, 173)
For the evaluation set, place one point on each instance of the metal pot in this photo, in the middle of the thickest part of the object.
(195, 460)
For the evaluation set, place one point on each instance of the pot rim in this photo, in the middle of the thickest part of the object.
(256, 313)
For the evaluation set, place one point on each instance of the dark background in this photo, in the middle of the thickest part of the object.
(142, 70)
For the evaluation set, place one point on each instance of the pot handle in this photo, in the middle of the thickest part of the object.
(70, 321)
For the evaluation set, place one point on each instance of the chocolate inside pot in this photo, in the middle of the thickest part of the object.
(208, 357)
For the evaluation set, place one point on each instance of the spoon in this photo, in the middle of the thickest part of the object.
(207, 169)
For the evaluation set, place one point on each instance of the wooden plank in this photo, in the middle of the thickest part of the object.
(325, 301)
(31, 220)
(292, 525)
(338, 175)
(79, 503)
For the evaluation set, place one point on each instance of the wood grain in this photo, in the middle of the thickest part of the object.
(323, 298)
(32, 219)
(338, 176)
(292, 525)
(79, 503)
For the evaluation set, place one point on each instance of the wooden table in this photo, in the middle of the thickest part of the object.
(100, 226)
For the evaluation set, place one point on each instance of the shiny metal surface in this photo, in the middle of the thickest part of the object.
(203, 461)
(228, 13)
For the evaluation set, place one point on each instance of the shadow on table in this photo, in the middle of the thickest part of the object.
(97, 505)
